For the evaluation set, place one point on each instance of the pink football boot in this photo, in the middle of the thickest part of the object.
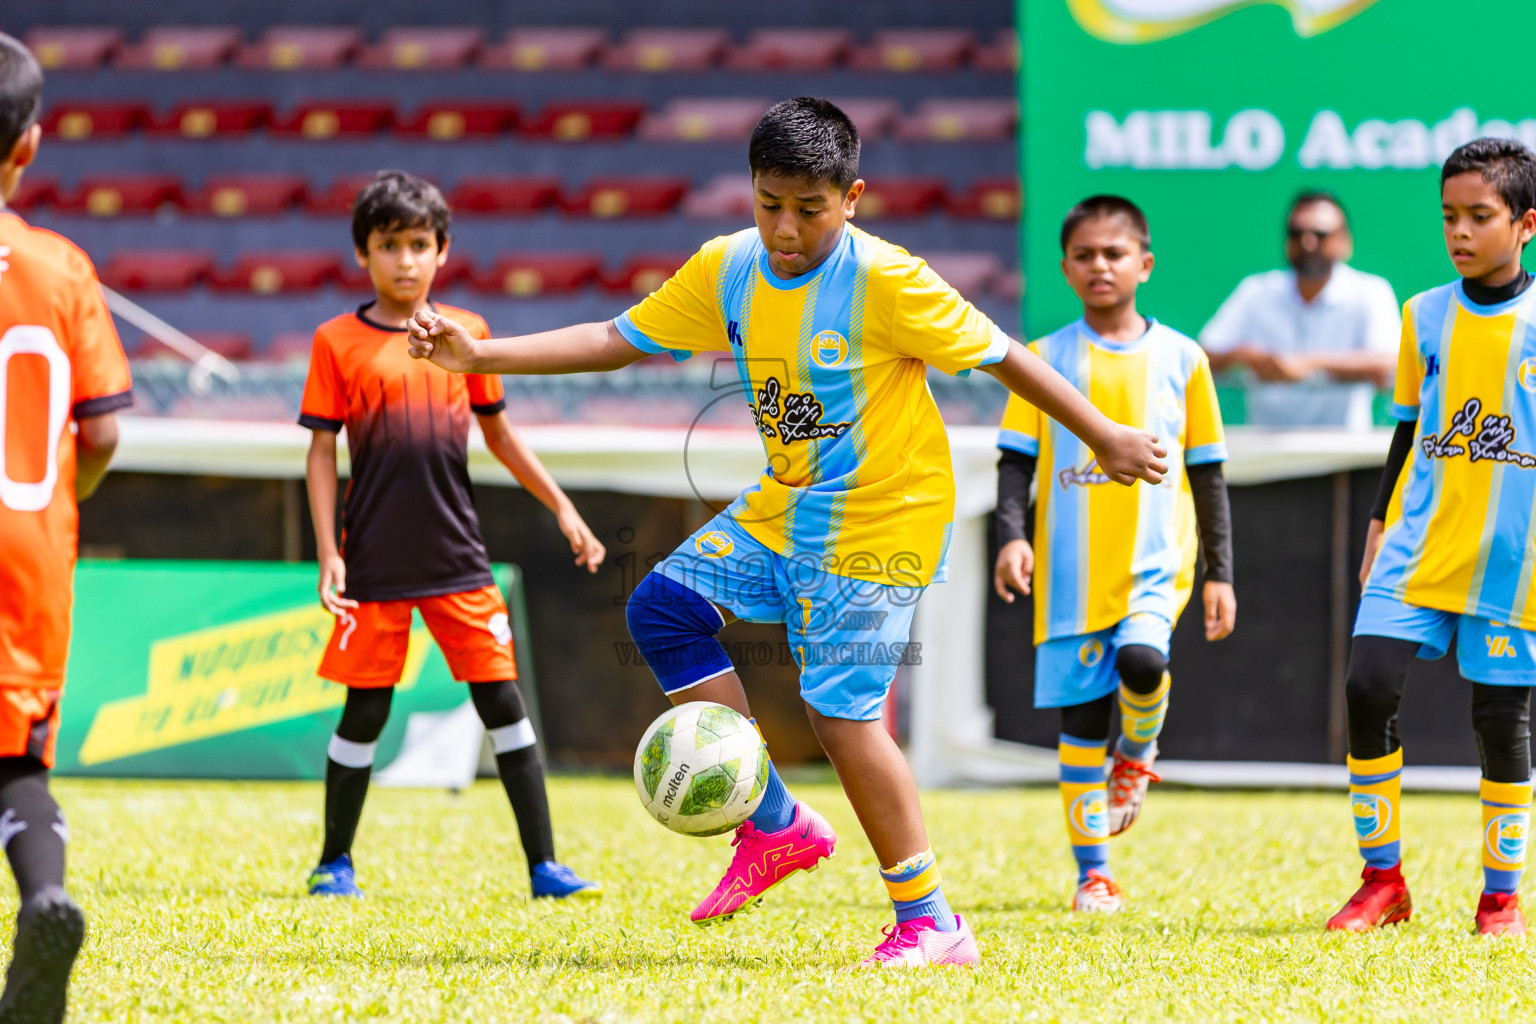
(763, 860)
(917, 943)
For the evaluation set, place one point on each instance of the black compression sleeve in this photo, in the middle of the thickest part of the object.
(1397, 456)
(1213, 513)
(1015, 472)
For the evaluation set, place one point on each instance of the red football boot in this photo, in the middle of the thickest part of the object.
(1498, 913)
(1382, 900)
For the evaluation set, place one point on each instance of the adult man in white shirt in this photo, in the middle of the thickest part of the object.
(1319, 337)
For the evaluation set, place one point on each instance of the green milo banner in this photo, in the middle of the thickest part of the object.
(207, 670)
(1213, 114)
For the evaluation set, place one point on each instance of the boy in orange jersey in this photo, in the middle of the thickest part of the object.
(63, 375)
(412, 540)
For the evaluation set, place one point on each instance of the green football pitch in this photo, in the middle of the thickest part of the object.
(197, 913)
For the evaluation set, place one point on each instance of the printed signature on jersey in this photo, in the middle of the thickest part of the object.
(1489, 440)
(798, 415)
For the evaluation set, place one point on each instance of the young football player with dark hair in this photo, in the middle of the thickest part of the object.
(831, 331)
(63, 376)
(1116, 564)
(412, 541)
(1452, 541)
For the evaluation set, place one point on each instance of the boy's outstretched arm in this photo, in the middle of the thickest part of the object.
(577, 349)
(515, 454)
(1125, 454)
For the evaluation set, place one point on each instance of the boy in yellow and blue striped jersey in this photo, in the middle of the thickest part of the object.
(1452, 540)
(1115, 565)
(830, 333)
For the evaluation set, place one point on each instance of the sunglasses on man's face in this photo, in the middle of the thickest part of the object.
(1297, 234)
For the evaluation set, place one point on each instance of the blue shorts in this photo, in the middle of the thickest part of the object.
(1073, 670)
(1486, 651)
(847, 635)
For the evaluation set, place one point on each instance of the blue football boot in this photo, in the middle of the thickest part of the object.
(334, 879)
(553, 880)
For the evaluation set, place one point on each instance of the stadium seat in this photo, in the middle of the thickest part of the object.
(206, 120)
(915, 49)
(626, 197)
(997, 198)
(301, 48)
(110, 195)
(546, 49)
(245, 195)
(504, 195)
(704, 120)
(156, 270)
(580, 121)
(232, 345)
(900, 197)
(872, 116)
(321, 119)
(287, 347)
(181, 48)
(970, 273)
(76, 121)
(423, 48)
(34, 192)
(533, 273)
(1001, 54)
(726, 196)
(668, 49)
(446, 120)
(645, 272)
(269, 273)
(791, 49)
(73, 47)
(961, 120)
(336, 198)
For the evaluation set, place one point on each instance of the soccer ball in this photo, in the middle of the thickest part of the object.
(701, 769)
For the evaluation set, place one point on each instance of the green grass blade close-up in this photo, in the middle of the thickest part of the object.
(195, 896)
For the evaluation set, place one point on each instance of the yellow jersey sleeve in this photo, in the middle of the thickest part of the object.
(934, 323)
(682, 316)
(1022, 424)
(1205, 440)
(1410, 370)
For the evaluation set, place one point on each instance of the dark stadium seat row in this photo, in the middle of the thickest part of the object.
(248, 195)
(706, 119)
(437, 48)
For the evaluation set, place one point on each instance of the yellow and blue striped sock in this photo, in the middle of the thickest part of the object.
(1375, 796)
(1506, 824)
(1141, 718)
(915, 887)
(1085, 802)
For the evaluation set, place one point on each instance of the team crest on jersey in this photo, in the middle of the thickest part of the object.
(1089, 814)
(1373, 815)
(1089, 476)
(714, 544)
(1173, 409)
(1489, 440)
(829, 349)
(1505, 837)
(1091, 653)
(1527, 374)
(798, 415)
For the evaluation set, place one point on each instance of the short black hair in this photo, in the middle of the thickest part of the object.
(21, 92)
(808, 138)
(1311, 197)
(1107, 206)
(395, 201)
(1503, 163)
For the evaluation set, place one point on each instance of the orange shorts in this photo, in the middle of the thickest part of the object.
(29, 722)
(367, 647)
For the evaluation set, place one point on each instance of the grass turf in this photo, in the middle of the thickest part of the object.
(195, 899)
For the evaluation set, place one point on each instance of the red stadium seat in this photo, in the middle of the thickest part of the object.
(337, 197)
(997, 198)
(504, 195)
(726, 196)
(533, 273)
(320, 119)
(456, 270)
(546, 49)
(181, 48)
(970, 273)
(301, 48)
(287, 347)
(645, 272)
(900, 197)
(872, 116)
(626, 197)
(915, 49)
(156, 270)
(111, 195)
(211, 119)
(704, 120)
(791, 49)
(446, 120)
(34, 192)
(77, 121)
(1001, 54)
(269, 273)
(246, 195)
(668, 49)
(73, 47)
(579, 121)
(232, 345)
(423, 48)
(961, 120)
